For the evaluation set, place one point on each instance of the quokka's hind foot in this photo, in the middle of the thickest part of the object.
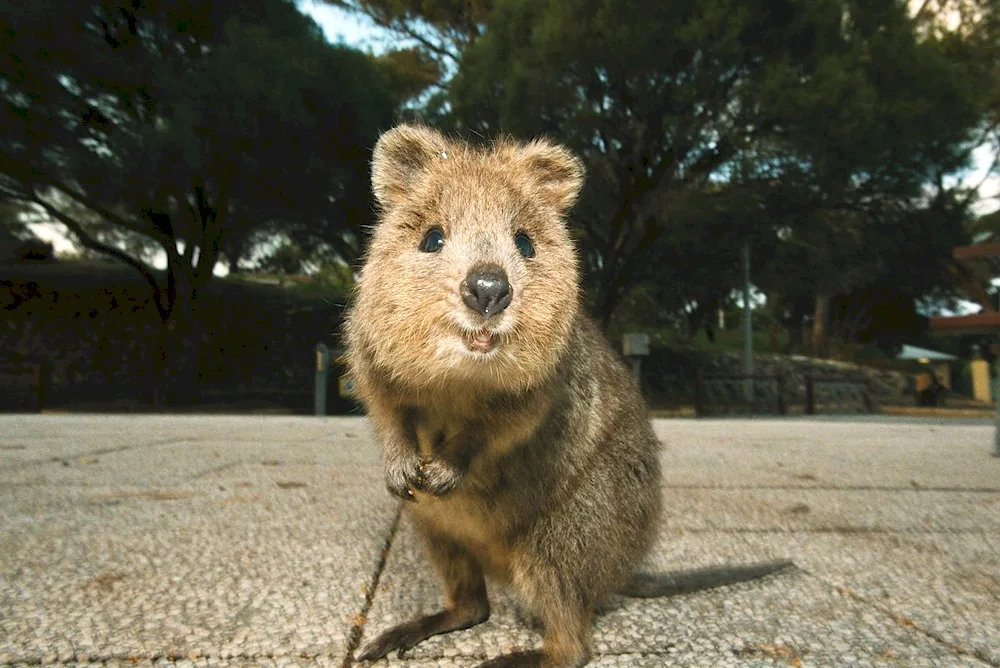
(466, 602)
(533, 659)
(407, 635)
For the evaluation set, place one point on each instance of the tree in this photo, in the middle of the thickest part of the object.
(875, 271)
(657, 99)
(903, 120)
(968, 32)
(286, 260)
(695, 263)
(13, 228)
(410, 73)
(182, 123)
(440, 31)
(682, 96)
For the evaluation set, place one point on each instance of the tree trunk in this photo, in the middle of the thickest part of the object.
(182, 344)
(179, 341)
(701, 318)
(605, 300)
(190, 272)
(820, 316)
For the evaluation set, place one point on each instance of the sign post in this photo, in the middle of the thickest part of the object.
(635, 346)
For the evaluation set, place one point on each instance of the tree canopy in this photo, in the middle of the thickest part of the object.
(794, 116)
(186, 124)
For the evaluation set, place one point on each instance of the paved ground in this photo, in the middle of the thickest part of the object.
(257, 540)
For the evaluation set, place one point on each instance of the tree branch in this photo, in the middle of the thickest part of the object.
(87, 241)
(46, 179)
(973, 287)
(212, 232)
(399, 26)
(423, 41)
(989, 172)
(919, 14)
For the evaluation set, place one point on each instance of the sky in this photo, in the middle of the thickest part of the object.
(342, 26)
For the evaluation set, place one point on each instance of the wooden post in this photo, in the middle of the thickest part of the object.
(322, 372)
(996, 429)
(41, 383)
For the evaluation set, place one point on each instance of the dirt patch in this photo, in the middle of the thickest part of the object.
(106, 581)
(776, 653)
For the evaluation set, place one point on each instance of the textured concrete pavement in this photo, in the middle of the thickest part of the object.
(138, 540)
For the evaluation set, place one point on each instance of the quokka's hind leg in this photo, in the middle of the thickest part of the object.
(566, 641)
(466, 603)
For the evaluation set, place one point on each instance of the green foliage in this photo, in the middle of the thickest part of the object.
(186, 120)
(882, 107)
(287, 259)
(335, 279)
(409, 73)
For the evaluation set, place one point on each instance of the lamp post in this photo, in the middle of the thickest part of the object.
(747, 325)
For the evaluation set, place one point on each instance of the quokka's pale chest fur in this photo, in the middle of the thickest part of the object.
(517, 437)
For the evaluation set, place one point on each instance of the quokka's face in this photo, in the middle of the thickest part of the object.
(471, 273)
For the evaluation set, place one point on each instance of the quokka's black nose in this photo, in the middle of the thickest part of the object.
(486, 290)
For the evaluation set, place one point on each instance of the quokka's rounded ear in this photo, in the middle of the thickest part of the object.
(401, 160)
(556, 172)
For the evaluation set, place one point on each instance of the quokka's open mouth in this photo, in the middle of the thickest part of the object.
(480, 342)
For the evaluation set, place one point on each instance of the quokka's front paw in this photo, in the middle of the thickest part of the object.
(403, 475)
(440, 477)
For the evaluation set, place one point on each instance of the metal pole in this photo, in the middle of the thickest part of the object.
(322, 372)
(747, 326)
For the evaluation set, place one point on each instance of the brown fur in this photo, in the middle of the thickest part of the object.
(534, 464)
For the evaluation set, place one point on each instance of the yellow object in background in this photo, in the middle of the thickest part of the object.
(980, 370)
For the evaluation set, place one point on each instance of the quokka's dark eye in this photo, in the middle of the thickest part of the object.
(433, 240)
(524, 245)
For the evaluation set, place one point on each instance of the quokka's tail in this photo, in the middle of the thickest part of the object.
(654, 585)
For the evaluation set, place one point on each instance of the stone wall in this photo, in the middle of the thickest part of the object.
(891, 387)
(668, 375)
